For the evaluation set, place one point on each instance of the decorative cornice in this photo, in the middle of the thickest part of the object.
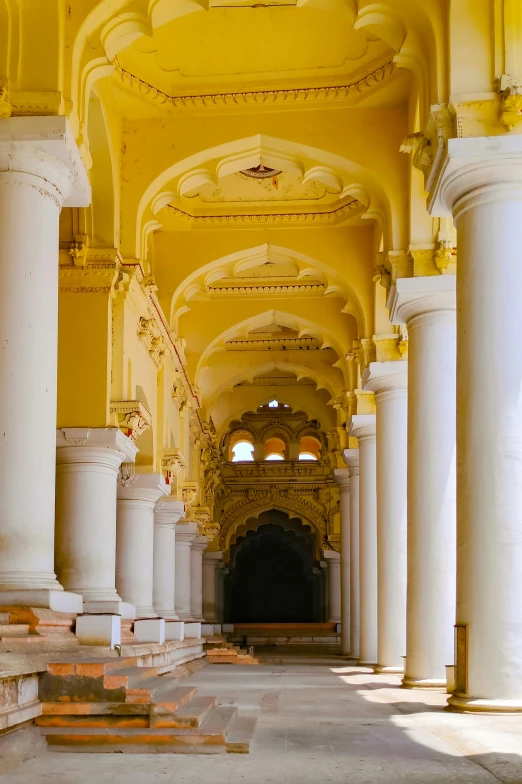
(255, 98)
(271, 217)
(271, 290)
(275, 344)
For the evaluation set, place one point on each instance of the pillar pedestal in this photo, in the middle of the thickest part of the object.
(481, 186)
(185, 534)
(197, 547)
(40, 170)
(351, 458)
(87, 465)
(137, 496)
(333, 560)
(363, 428)
(389, 382)
(342, 478)
(166, 515)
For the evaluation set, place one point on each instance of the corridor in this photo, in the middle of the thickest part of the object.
(319, 720)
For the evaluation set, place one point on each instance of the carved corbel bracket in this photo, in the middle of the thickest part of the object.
(510, 89)
(173, 463)
(189, 493)
(131, 417)
(148, 331)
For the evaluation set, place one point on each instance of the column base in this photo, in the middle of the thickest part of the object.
(59, 601)
(193, 631)
(423, 683)
(110, 607)
(461, 704)
(146, 612)
(362, 663)
(380, 669)
(150, 630)
(99, 630)
(175, 630)
(167, 616)
(184, 616)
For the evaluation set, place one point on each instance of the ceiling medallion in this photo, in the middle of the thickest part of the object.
(261, 172)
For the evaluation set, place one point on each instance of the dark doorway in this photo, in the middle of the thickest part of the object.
(273, 579)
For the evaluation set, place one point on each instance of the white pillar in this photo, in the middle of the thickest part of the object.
(185, 533)
(351, 458)
(166, 515)
(40, 170)
(363, 428)
(333, 560)
(389, 382)
(482, 186)
(88, 461)
(342, 477)
(137, 496)
(212, 562)
(427, 306)
(196, 577)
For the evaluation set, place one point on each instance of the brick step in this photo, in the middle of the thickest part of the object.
(193, 714)
(230, 656)
(240, 734)
(211, 737)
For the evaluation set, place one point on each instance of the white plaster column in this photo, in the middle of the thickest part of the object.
(212, 563)
(185, 534)
(427, 306)
(40, 170)
(166, 515)
(137, 496)
(342, 477)
(389, 382)
(481, 184)
(333, 560)
(363, 428)
(351, 458)
(197, 547)
(87, 465)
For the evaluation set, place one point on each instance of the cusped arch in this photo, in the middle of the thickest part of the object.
(298, 525)
(264, 500)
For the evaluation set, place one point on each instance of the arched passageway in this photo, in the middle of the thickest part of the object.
(273, 575)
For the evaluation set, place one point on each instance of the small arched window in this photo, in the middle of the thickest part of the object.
(309, 448)
(275, 449)
(242, 451)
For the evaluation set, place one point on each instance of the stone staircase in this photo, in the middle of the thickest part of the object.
(113, 705)
(220, 651)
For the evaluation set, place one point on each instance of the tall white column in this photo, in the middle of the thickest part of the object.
(333, 560)
(137, 496)
(87, 465)
(351, 458)
(342, 477)
(185, 533)
(197, 547)
(212, 563)
(427, 306)
(363, 428)
(481, 185)
(389, 382)
(40, 170)
(166, 515)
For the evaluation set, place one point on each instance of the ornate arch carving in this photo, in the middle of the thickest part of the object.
(262, 500)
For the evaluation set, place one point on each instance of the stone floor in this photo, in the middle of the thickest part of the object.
(319, 721)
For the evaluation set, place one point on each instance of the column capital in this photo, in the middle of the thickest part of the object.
(415, 301)
(200, 544)
(351, 458)
(186, 532)
(216, 556)
(477, 171)
(148, 488)
(363, 427)
(94, 445)
(332, 557)
(41, 152)
(167, 513)
(386, 379)
(342, 478)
